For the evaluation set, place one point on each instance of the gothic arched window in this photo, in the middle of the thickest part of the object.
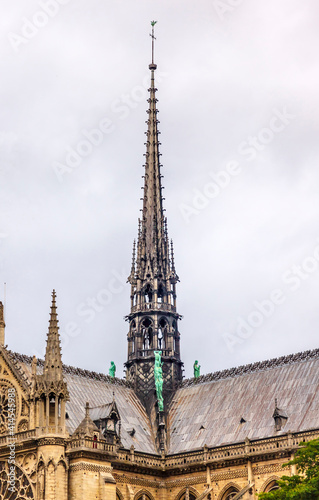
(230, 493)
(143, 496)
(148, 293)
(160, 294)
(147, 332)
(272, 486)
(162, 334)
(187, 495)
(23, 488)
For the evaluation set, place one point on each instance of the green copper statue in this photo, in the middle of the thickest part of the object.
(112, 369)
(158, 375)
(196, 369)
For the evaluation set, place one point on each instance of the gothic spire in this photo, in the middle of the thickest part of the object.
(153, 319)
(52, 361)
(153, 244)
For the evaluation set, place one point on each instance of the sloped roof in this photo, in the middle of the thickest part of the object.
(208, 410)
(216, 409)
(97, 389)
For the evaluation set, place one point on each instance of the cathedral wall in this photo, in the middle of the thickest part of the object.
(268, 472)
(130, 486)
(222, 481)
(91, 479)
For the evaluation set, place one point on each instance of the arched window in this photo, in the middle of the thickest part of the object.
(132, 335)
(231, 493)
(95, 441)
(143, 496)
(160, 294)
(147, 332)
(186, 495)
(148, 293)
(272, 486)
(162, 334)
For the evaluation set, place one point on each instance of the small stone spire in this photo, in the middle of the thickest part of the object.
(172, 257)
(133, 260)
(87, 427)
(53, 361)
(2, 324)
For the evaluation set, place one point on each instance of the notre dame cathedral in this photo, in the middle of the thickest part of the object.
(72, 434)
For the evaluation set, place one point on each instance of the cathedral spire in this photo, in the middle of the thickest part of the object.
(153, 243)
(53, 361)
(153, 318)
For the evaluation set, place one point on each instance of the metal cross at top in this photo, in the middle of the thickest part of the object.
(153, 38)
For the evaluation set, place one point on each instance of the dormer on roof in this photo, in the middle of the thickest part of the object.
(107, 418)
(280, 417)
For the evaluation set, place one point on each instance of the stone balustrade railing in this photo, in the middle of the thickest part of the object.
(154, 306)
(89, 443)
(284, 443)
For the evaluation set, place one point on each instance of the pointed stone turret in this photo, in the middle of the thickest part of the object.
(53, 362)
(49, 389)
(87, 427)
(153, 318)
(2, 325)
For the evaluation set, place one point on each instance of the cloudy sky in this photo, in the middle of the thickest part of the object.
(238, 98)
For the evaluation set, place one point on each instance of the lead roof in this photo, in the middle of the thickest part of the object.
(214, 410)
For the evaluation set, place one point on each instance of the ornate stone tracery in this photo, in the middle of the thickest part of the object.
(24, 484)
(5, 385)
(229, 491)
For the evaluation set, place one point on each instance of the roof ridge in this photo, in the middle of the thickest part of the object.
(24, 358)
(252, 367)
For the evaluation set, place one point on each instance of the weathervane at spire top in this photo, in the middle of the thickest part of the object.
(153, 66)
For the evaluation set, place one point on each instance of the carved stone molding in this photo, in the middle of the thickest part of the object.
(51, 441)
(269, 468)
(147, 483)
(90, 467)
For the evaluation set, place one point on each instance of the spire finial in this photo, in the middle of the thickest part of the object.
(52, 361)
(153, 65)
(87, 410)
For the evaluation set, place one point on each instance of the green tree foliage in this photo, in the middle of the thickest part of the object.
(302, 486)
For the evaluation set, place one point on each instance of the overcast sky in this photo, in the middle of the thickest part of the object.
(238, 99)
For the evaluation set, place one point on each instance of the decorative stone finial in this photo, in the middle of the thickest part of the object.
(87, 410)
(34, 363)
